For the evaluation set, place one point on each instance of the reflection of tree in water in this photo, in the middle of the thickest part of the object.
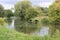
(26, 26)
(9, 20)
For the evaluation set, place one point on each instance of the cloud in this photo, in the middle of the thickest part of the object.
(8, 6)
(43, 0)
(42, 3)
(45, 4)
(10, 3)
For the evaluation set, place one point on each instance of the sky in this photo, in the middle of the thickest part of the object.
(10, 3)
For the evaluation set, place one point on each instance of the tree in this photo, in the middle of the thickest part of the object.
(54, 16)
(25, 11)
(8, 13)
(1, 11)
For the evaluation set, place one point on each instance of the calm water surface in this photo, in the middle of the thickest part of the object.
(43, 31)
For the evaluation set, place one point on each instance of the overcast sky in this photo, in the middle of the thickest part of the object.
(10, 3)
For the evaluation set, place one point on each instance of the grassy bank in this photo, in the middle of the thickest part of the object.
(6, 34)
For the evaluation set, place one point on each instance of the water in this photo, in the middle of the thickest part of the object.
(43, 31)
(11, 26)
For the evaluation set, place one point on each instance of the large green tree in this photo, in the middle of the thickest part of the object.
(24, 10)
(54, 13)
(1, 11)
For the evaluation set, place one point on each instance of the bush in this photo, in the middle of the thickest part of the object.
(2, 22)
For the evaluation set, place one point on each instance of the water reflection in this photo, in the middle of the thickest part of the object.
(26, 26)
(16, 24)
(43, 31)
(10, 24)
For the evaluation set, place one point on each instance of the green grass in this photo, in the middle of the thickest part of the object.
(6, 34)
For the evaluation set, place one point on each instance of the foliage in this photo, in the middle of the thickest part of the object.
(54, 12)
(2, 22)
(1, 11)
(25, 11)
(8, 13)
(54, 16)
